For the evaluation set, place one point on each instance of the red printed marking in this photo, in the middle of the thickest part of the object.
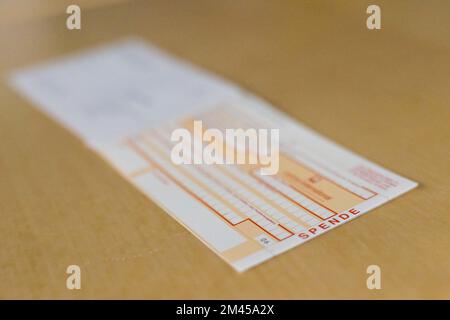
(333, 182)
(145, 156)
(286, 196)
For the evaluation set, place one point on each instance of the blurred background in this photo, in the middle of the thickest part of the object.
(382, 93)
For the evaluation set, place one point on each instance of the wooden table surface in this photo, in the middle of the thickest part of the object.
(384, 94)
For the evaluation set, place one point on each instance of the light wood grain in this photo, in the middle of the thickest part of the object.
(383, 94)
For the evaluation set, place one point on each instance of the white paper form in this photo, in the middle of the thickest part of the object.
(125, 99)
